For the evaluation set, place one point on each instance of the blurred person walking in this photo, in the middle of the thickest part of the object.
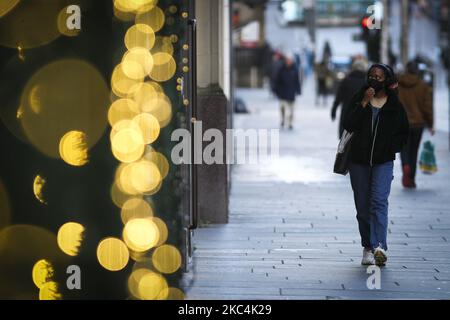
(287, 87)
(323, 77)
(274, 70)
(380, 130)
(416, 97)
(348, 87)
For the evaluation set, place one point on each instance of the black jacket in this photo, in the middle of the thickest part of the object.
(287, 83)
(390, 133)
(347, 89)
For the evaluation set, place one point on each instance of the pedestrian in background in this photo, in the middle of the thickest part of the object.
(348, 87)
(416, 97)
(380, 130)
(287, 87)
(275, 67)
(324, 78)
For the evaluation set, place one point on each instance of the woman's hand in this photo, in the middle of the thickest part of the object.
(368, 95)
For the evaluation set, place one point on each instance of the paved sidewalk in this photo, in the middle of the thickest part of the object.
(293, 232)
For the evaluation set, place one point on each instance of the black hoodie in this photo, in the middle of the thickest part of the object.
(390, 133)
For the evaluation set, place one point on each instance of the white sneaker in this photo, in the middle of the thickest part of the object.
(380, 256)
(368, 258)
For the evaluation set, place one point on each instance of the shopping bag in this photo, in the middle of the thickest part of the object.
(427, 160)
(342, 154)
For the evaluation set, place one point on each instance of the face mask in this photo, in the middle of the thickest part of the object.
(376, 85)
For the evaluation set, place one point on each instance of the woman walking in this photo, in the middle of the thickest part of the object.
(380, 128)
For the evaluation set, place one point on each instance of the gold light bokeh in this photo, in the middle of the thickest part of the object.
(69, 238)
(62, 24)
(29, 23)
(160, 161)
(38, 188)
(163, 230)
(122, 85)
(149, 126)
(21, 246)
(152, 286)
(144, 176)
(166, 259)
(164, 67)
(127, 142)
(140, 35)
(154, 102)
(49, 291)
(122, 109)
(140, 235)
(135, 6)
(66, 102)
(5, 210)
(7, 5)
(42, 273)
(163, 44)
(135, 208)
(154, 18)
(112, 254)
(73, 148)
(137, 63)
(118, 196)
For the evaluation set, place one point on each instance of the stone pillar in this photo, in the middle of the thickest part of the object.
(213, 77)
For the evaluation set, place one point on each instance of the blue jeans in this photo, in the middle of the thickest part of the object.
(371, 188)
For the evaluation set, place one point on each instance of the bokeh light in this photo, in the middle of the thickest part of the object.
(7, 5)
(122, 85)
(166, 259)
(112, 254)
(137, 63)
(147, 285)
(127, 141)
(140, 235)
(49, 291)
(69, 237)
(152, 286)
(159, 160)
(157, 105)
(140, 35)
(144, 176)
(154, 18)
(66, 102)
(42, 273)
(73, 148)
(164, 67)
(122, 109)
(136, 208)
(29, 23)
(38, 188)
(149, 126)
(163, 44)
(163, 230)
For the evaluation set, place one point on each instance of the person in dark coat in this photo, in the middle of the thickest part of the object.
(351, 84)
(380, 130)
(275, 67)
(287, 87)
(417, 98)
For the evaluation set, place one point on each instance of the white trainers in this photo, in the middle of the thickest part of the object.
(368, 258)
(380, 256)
